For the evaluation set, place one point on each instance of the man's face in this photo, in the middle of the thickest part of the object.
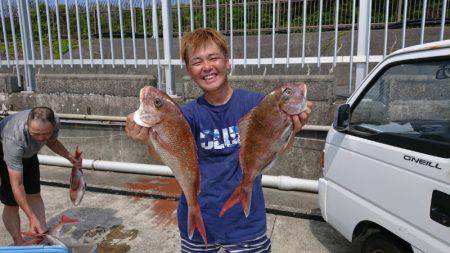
(40, 131)
(208, 67)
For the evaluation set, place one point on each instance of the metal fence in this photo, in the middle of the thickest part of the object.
(53, 33)
(280, 11)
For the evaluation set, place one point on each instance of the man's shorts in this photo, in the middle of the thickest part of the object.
(31, 180)
(261, 244)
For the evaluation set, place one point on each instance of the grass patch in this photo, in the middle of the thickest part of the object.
(55, 48)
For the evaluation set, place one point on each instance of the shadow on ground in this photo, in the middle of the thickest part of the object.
(331, 239)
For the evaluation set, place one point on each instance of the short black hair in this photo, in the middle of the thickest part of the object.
(42, 114)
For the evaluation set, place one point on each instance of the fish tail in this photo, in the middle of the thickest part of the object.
(242, 194)
(77, 153)
(64, 219)
(195, 220)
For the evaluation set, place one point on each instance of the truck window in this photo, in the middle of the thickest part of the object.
(407, 106)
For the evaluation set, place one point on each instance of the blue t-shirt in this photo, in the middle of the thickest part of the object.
(216, 134)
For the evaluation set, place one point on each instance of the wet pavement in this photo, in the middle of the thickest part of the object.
(137, 213)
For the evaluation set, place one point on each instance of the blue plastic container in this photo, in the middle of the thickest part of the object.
(34, 249)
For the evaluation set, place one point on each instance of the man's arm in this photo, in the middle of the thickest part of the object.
(16, 180)
(59, 149)
(140, 134)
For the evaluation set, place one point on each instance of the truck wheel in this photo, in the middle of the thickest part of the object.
(384, 243)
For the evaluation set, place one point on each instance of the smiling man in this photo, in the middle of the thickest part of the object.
(22, 136)
(213, 119)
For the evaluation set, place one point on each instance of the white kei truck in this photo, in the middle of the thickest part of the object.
(386, 161)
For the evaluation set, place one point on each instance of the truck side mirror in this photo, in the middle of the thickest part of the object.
(342, 118)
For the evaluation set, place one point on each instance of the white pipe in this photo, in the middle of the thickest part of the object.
(316, 128)
(140, 168)
(290, 183)
(279, 182)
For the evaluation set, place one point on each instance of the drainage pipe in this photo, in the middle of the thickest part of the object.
(280, 182)
(123, 119)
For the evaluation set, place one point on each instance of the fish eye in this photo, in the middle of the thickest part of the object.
(288, 92)
(158, 103)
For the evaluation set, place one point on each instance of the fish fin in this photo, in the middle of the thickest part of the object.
(195, 220)
(288, 143)
(64, 219)
(270, 164)
(246, 200)
(243, 126)
(198, 183)
(154, 137)
(305, 101)
(242, 194)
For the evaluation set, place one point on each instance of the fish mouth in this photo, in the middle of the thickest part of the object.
(296, 108)
(145, 119)
(137, 119)
(146, 116)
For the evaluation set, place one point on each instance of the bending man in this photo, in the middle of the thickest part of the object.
(22, 136)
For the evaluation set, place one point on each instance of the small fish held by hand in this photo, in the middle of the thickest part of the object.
(77, 182)
(265, 132)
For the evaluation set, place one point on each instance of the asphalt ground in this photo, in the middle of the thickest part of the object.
(137, 213)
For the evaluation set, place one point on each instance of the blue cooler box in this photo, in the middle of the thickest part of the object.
(38, 248)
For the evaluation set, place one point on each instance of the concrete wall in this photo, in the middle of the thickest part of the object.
(320, 91)
(118, 96)
(110, 143)
(102, 84)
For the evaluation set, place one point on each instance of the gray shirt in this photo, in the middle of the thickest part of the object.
(16, 140)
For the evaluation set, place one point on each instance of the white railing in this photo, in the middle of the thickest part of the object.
(49, 33)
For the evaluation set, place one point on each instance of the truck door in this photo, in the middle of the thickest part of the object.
(399, 144)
